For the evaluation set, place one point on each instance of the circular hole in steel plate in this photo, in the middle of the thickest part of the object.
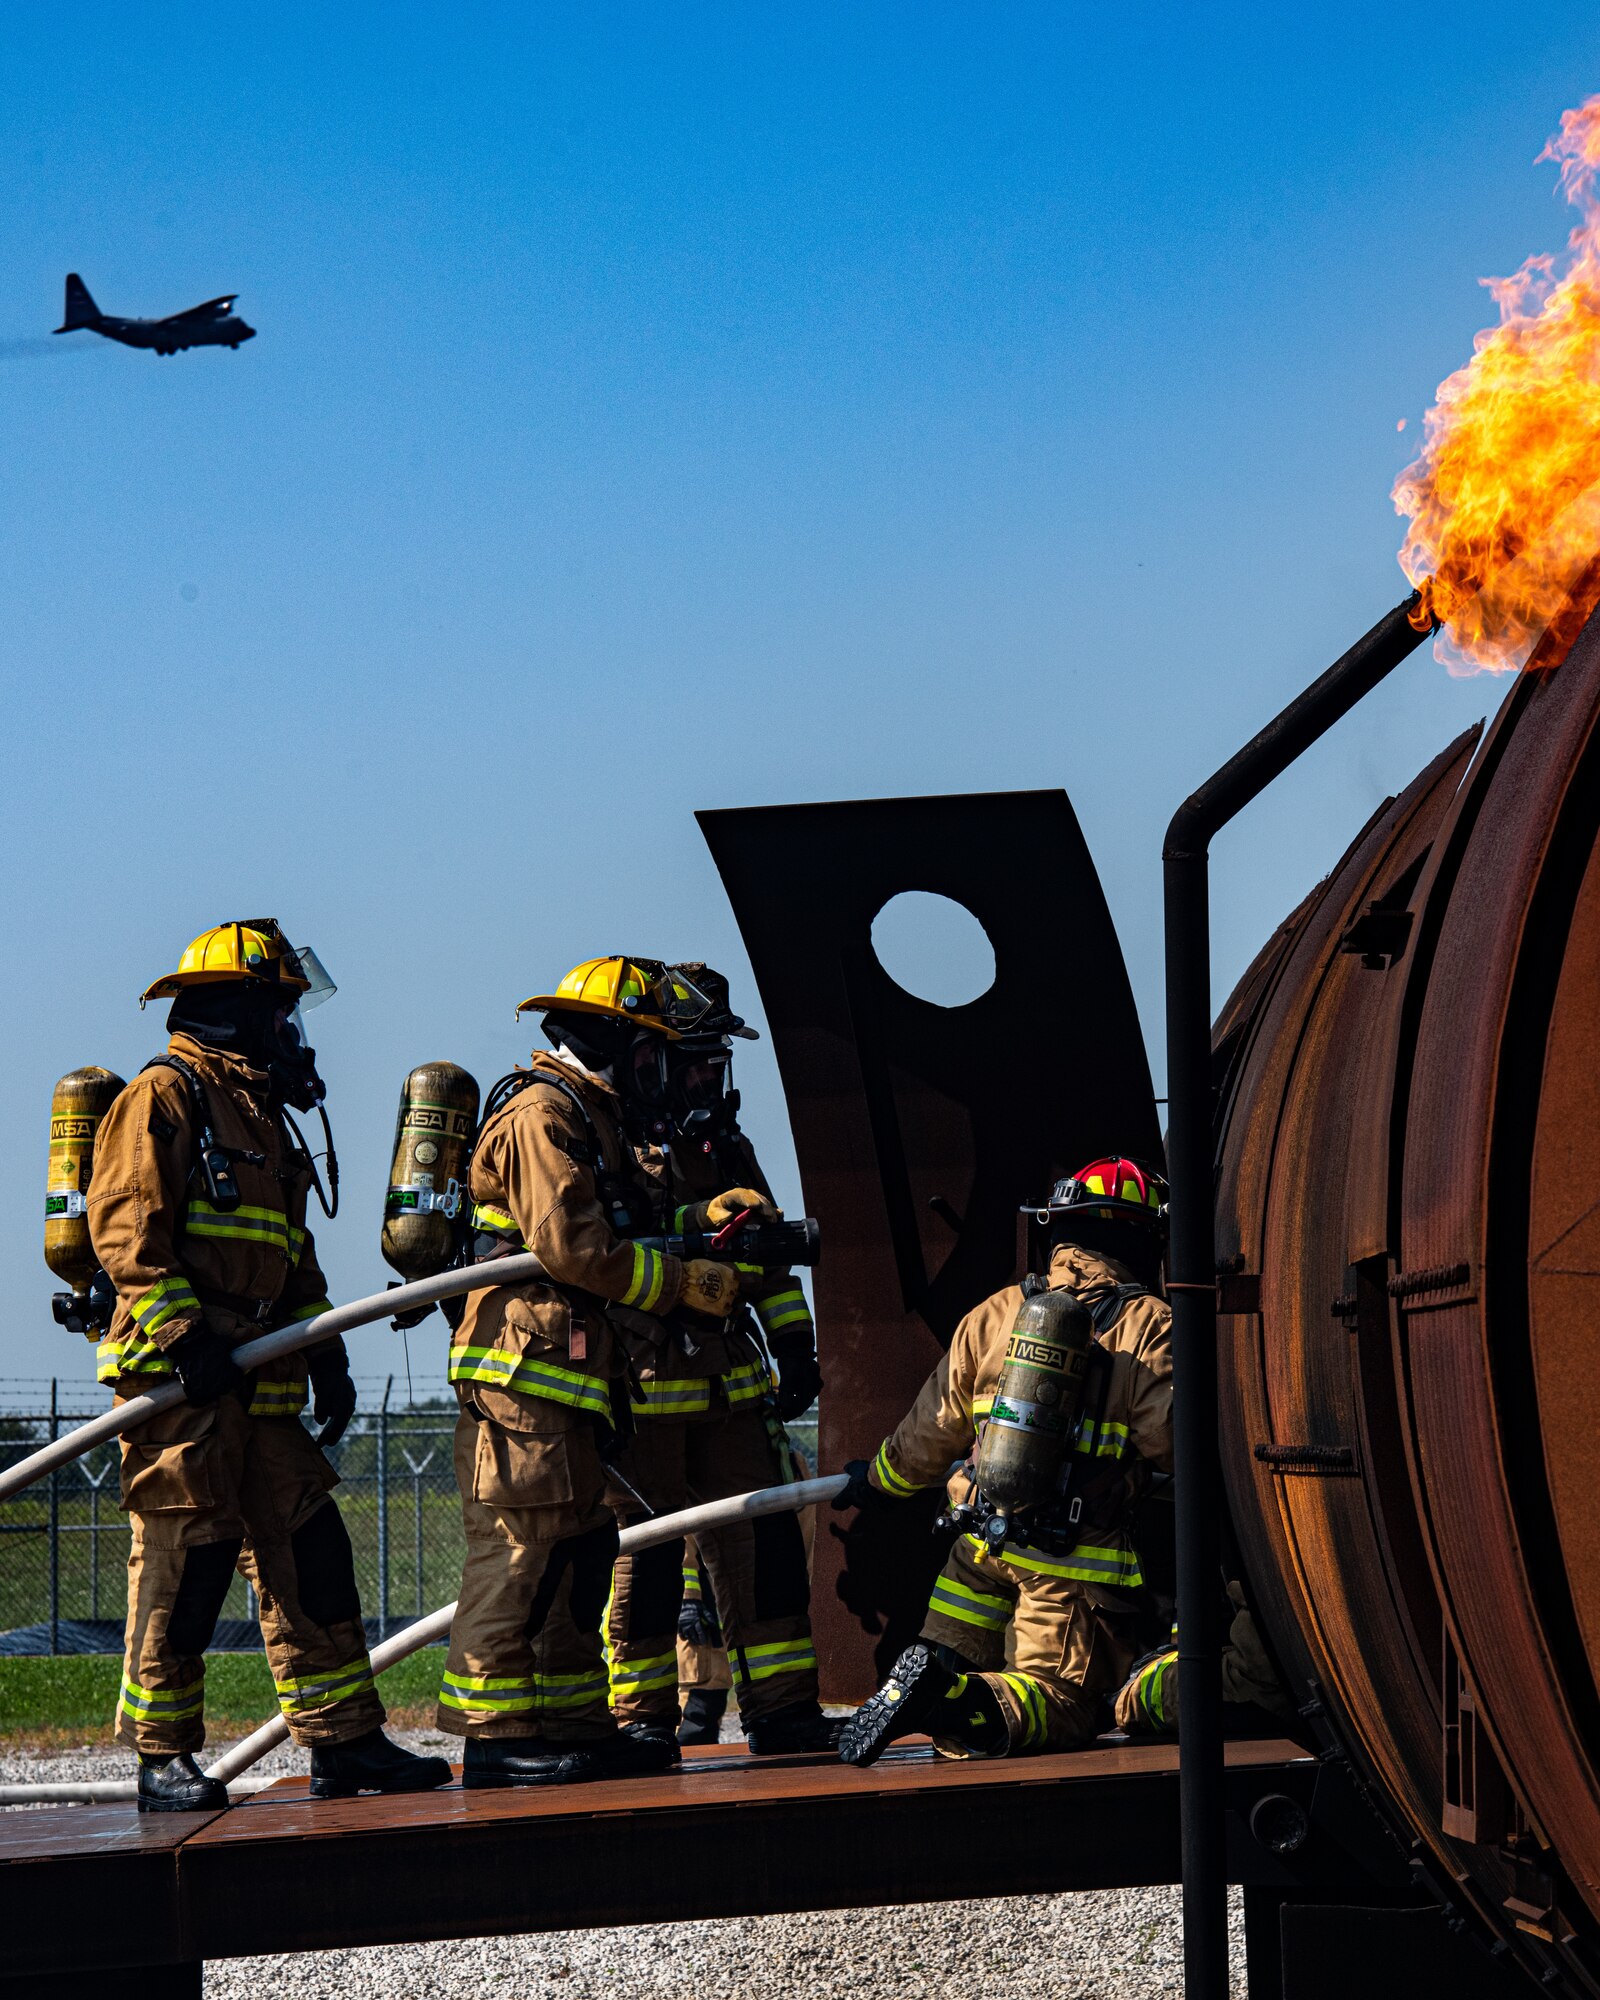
(933, 948)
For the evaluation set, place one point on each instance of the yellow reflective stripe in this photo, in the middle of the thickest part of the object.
(680, 1220)
(132, 1355)
(658, 1281)
(888, 1478)
(278, 1399)
(500, 1697)
(163, 1704)
(297, 1243)
(498, 1368)
(949, 1606)
(746, 1384)
(511, 1694)
(982, 1405)
(1117, 1569)
(165, 1298)
(649, 1276)
(1111, 1441)
(309, 1312)
(1031, 1702)
(973, 1607)
(569, 1690)
(645, 1675)
(495, 1220)
(764, 1663)
(1150, 1690)
(239, 1225)
(303, 1691)
(685, 1397)
(784, 1309)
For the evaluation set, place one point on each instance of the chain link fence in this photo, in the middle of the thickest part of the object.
(64, 1541)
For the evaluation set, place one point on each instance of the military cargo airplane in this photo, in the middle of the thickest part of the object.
(210, 325)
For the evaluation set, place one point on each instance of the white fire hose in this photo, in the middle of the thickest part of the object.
(436, 1626)
(519, 1270)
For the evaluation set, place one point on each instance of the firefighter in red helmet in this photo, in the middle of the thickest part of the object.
(1062, 1576)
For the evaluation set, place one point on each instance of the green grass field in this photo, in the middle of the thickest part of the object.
(53, 1700)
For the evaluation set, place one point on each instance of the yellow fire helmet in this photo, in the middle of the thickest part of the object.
(637, 990)
(254, 949)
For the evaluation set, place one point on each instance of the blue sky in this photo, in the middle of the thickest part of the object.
(669, 407)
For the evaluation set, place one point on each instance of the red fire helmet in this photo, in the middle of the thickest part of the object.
(1113, 1188)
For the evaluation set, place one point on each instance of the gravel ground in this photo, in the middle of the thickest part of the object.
(1117, 1944)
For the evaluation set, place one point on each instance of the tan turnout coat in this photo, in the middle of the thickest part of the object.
(942, 1426)
(174, 1259)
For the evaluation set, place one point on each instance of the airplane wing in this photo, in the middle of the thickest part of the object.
(213, 309)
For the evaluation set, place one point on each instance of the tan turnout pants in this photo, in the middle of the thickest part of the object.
(1147, 1703)
(699, 1665)
(1072, 1645)
(526, 1657)
(210, 1491)
(757, 1570)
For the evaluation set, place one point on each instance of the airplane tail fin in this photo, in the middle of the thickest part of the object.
(81, 308)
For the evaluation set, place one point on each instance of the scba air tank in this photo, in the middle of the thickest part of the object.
(82, 1098)
(1038, 1400)
(427, 1181)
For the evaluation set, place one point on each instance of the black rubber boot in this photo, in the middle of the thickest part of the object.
(787, 1731)
(177, 1784)
(647, 1746)
(493, 1762)
(703, 1711)
(636, 1752)
(371, 1763)
(922, 1693)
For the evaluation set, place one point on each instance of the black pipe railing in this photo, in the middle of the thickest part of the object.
(1192, 1272)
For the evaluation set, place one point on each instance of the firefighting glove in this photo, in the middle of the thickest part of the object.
(697, 1623)
(860, 1492)
(709, 1288)
(412, 1316)
(333, 1391)
(799, 1377)
(724, 1207)
(205, 1365)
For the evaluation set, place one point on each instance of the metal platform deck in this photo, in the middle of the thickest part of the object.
(88, 1890)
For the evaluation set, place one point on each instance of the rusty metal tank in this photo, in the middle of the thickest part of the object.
(1409, 1275)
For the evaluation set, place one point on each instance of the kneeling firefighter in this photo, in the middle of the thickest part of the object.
(197, 1213)
(1064, 1385)
(1253, 1695)
(538, 1373)
(707, 1410)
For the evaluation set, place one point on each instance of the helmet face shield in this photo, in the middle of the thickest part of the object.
(644, 1071)
(697, 1073)
(320, 987)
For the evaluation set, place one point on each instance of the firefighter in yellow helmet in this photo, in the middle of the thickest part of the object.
(1064, 1574)
(538, 1371)
(709, 1408)
(197, 1213)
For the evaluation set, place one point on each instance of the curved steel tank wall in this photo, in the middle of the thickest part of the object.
(1409, 1243)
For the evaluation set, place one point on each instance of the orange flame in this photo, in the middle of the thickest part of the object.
(1503, 504)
